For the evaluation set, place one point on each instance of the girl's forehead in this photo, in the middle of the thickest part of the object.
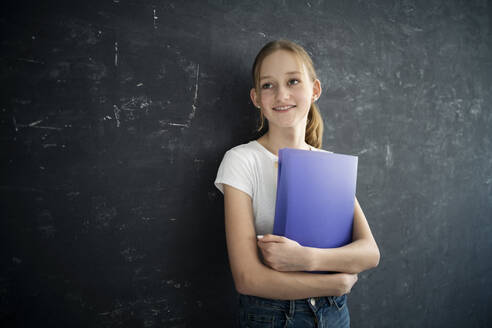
(282, 61)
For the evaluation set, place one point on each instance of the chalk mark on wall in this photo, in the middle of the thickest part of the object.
(154, 17)
(193, 106)
(191, 116)
(116, 54)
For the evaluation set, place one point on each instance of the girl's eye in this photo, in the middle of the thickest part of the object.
(266, 86)
(293, 81)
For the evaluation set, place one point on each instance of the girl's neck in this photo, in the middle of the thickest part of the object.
(275, 141)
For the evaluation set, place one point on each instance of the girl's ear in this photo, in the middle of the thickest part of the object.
(254, 99)
(316, 89)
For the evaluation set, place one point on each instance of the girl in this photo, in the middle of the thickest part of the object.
(267, 269)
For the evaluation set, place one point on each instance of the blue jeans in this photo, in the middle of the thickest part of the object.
(329, 311)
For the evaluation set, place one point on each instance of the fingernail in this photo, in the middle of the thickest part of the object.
(259, 236)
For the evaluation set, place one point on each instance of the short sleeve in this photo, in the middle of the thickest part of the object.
(235, 171)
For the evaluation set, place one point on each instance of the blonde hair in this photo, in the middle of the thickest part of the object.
(314, 126)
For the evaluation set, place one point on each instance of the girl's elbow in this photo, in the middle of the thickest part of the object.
(376, 257)
(243, 284)
(371, 261)
(240, 284)
(241, 288)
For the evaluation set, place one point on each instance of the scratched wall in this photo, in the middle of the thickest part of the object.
(115, 116)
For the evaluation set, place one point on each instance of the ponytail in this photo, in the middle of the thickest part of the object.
(314, 127)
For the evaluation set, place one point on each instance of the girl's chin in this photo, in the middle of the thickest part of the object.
(287, 123)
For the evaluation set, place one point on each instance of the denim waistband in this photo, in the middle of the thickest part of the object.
(305, 304)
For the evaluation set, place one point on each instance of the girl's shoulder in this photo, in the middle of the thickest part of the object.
(247, 153)
(244, 149)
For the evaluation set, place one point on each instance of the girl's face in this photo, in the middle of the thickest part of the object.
(286, 90)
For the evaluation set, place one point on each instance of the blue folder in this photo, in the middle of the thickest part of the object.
(315, 197)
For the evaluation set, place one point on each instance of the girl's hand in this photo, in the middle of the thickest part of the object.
(283, 254)
(346, 282)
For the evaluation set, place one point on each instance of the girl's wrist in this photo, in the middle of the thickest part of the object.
(310, 257)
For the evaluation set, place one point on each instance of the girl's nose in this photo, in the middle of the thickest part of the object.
(282, 93)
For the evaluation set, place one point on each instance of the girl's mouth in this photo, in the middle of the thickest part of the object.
(283, 108)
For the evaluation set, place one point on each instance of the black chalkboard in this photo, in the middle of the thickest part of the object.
(116, 114)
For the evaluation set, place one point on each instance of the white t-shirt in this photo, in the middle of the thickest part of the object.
(252, 168)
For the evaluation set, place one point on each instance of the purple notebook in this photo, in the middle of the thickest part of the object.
(315, 197)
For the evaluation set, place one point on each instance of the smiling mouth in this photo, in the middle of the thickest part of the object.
(283, 108)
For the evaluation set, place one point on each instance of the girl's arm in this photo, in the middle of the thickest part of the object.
(284, 254)
(252, 277)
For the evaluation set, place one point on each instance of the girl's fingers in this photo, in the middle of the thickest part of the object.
(270, 238)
